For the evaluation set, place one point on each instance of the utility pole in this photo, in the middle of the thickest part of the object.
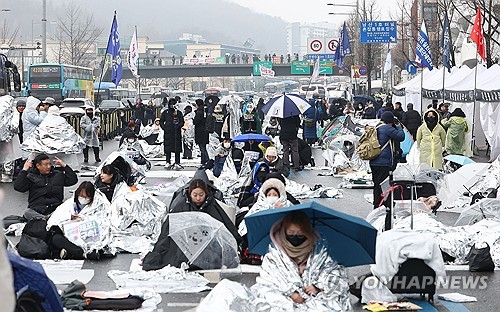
(44, 31)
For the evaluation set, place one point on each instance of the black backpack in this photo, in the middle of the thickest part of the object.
(33, 242)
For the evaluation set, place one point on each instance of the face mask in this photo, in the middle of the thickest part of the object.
(271, 200)
(131, 140)
(226, 145)
(431, 119)
(83, 200)
(296, 240)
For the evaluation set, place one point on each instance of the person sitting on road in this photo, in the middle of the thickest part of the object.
(275, 162)
(45, 185)
(133, 149)
(108, 181)
(290, 269)
(70, 212)
(225, 150)
(196, 198)
(131, 128)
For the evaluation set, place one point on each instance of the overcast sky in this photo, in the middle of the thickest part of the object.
(311, 10)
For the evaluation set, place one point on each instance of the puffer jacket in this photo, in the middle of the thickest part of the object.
(46, 192)
(310, 132)
(31, 118)
(385, 133)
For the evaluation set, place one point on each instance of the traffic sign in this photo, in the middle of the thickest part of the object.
(363, 71)
(315, 45)
(300, 68)
(332, 45)
(378, 31)
(314, 57)
(256, 67)
(325, 70)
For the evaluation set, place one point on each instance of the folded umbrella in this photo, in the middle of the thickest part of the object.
(351, 240)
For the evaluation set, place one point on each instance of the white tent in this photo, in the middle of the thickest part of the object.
(490, 108)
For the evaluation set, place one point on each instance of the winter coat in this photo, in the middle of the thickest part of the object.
(46, 192)
(90, 130)
(139, 111)
(31, 118)
(400, 115)
(370, 113)
(219, 123)
(250, 123)
(310, 131)
(171, 125)
(150, 113)
(277, 166)
(412, 121)
(385, 133)
(289, 127)
(109, 189)
(200, 127)
(431, 144)
(456, 128)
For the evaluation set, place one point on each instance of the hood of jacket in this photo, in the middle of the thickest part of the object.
(32, 103)
(273, 183)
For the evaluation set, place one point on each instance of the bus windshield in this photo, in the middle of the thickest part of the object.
(60, 81)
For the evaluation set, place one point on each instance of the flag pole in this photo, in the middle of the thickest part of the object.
(104, 60)
(138, 57)
(474, 106)
(421, 91)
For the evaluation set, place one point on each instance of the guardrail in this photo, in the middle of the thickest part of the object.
(110, 123)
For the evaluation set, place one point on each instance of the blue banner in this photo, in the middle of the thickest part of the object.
(378, 32)
(114, 49)
(423, 50)
(343, 49)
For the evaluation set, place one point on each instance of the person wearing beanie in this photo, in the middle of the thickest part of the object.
(389, 133)
(274, 162)
(412, 121)
(431, 138)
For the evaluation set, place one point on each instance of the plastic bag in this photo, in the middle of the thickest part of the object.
(480, 259)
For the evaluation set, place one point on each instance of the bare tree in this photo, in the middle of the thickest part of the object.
(77, 35)
(8, 35)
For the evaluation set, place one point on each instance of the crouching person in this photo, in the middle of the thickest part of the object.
(45, 185)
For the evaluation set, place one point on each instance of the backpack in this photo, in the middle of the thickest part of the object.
(369, 146)
(308, 122)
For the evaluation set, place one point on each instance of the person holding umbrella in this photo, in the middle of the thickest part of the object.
(299, 269)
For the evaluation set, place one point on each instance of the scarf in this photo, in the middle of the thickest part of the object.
(298, 254)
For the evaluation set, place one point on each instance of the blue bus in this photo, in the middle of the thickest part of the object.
(60, 81)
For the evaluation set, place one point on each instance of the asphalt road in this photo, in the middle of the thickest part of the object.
(352, 203)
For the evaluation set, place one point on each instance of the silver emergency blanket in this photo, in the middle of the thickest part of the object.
(93, 231)
(9, 118)
(485, 208)
(233, 122)
(54, 135)
(137, 172)
(301, 191)
(152, 151)
(361, 179)
(166, 280)
(205, 242)
(341, 157)
(136, 219)
(188, 131)
(213, 145)
(279, 278)
(455, 240)
(229, 182)
(417, 173)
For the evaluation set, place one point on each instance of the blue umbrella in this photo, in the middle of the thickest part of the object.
(459, 159)
(251, 136)
(285, 105)
(351, 240)
(31, 274)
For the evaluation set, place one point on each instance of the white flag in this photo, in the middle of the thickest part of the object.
(133, 56)
(315, 74)
(388, 62)
(266, 72)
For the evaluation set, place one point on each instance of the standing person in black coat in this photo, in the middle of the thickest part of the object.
(200, 130)
(399, 113)
(20, 106)
(171, 121)
(139, 111)
(45, 185)
(412, 121)
(288, 138)
(260, 104)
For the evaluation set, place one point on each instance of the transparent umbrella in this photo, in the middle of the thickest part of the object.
(485, 208)
(204, 240)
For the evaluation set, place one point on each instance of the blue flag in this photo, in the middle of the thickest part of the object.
(445, 43)
(423, 51)
(343, 48)
(114, 49)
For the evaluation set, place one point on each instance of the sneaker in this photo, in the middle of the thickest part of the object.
(85, 160)
(98, 160)
(177, 167)
(313, 163)
(63, 254)
(168, 166)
